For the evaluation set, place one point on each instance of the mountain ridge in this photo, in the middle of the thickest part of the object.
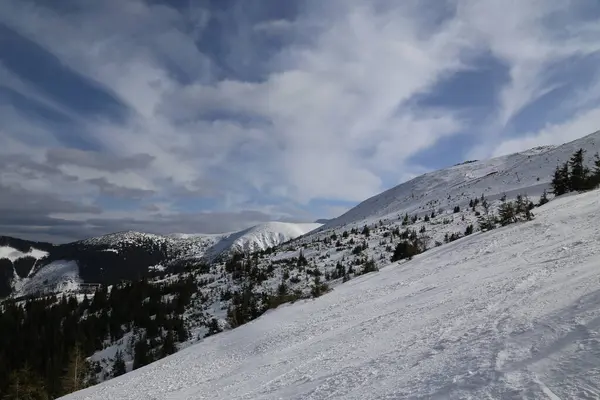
(158, 253)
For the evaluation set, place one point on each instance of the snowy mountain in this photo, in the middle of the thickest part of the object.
(18, 260)
(528, 172)
(129, 255)
(512, 313)
(260, 237)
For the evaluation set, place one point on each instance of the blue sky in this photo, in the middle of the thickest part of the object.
(208, 116)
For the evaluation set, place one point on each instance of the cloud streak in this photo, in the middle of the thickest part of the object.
(248, 112)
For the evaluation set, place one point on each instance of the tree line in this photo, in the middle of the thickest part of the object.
(575, 176)
(46, 342)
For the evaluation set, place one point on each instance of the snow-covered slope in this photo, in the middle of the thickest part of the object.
(512, 313)
(58, 276)
(13, 254)
(261, 237)
(529, 172)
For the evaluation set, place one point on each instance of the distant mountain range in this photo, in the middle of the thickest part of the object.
(28, 267)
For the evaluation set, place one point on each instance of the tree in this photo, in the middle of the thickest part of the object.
(142, 355)
(213, 327)
(370, 266)
(579, 173)
(168, 346)
(595, 175)
(318, 288)
(469, 230)
(506, 212)
(302, 261)
(543, 199)
(404, 249)
(366, 231)
(560, 183)
(118, 368)
(523, 208)
(24, 384)
(487, 220)
(77, 371)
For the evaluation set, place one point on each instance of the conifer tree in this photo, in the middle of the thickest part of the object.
(523, 208)
(366, 231)
(77, 371)
(487, 220)
(24, 384)
(543, 198)
(142, 354)
(579, 172)
(118, 368)
(506, 212)
(560, 181)
(595, 174)
(168, 346)
(469, 230)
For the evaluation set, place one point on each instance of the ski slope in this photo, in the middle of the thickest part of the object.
(58, 276)
(513, 313)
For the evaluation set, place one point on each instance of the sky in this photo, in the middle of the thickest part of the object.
(215, 115)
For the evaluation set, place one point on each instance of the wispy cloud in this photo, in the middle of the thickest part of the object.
(251, 111)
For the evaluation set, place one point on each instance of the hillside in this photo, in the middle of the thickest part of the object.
(528, 172)
(506, 314)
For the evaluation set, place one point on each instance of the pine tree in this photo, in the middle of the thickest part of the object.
(595, 174)
(318, 288)
(487, 221)
(24, 384)
(118, 368)
(77, 371)
(469, 230)
(168, 346)
(141, 353)
(543, 199)
(366, 231)
(404, 249)
(506, 212)
(579, 173)
(560, 181)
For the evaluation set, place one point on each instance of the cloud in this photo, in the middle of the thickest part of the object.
(96, 160)
(554, 134)
(110, 189)
(251, 111)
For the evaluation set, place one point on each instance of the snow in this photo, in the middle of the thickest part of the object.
(106, 356)
(528, 172)
(512, 313)
(210, 246)
(261, 237)
(58, 276)
(14, 254)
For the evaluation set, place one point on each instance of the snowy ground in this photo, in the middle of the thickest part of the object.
(510, 314)
(58, 276)
(14, 254)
